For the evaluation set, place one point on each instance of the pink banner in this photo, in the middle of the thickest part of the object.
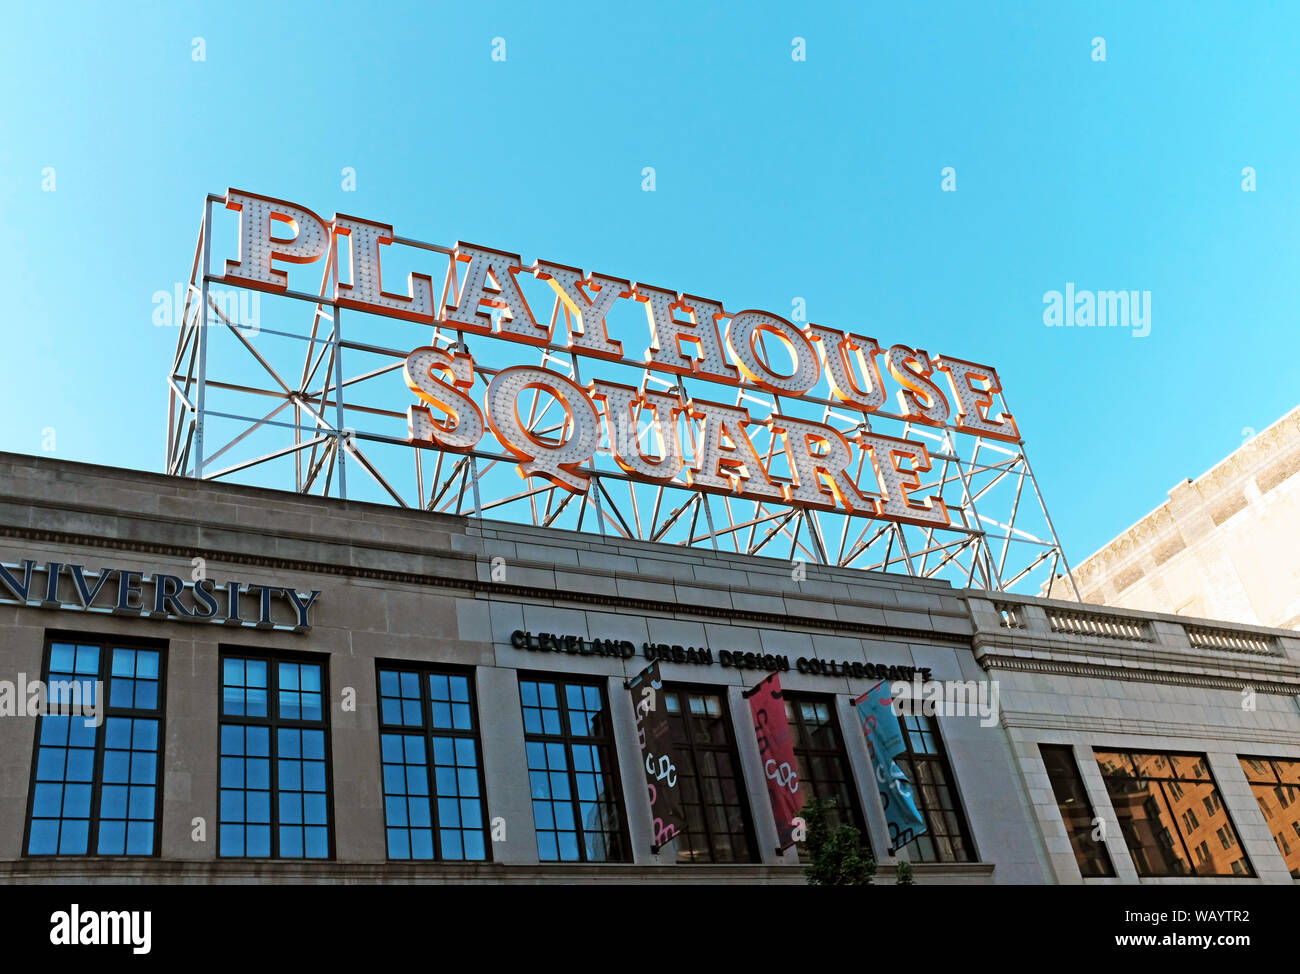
(776, 751)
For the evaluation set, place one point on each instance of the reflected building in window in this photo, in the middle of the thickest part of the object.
(1275, 783)
(1169, 810)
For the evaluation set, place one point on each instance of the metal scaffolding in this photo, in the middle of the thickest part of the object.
(265, 389)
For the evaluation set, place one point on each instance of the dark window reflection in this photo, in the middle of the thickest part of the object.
(925, 763)
(1076, 810)
(710, 788)
(823, 765)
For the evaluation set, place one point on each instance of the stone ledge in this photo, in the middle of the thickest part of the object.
(475, 587)
(990, 661)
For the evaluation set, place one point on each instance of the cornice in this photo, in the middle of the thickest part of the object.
(1138, 674)
(488, 589)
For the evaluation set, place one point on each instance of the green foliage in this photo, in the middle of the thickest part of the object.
(903, 875)
(835, 856)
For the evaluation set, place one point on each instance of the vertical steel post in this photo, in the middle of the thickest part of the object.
(200, 414)
(338, 371)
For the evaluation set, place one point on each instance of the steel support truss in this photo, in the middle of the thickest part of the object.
(265, 389)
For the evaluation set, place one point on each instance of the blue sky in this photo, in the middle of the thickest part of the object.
(774, 179)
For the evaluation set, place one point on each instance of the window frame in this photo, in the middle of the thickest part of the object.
(731, 747)
(273, 722)
(109, 642)
(1280, 788)
(610, 741)
(939, 757)
(427, 731)
(856, 815)
(1199, 774)
(1104, 857)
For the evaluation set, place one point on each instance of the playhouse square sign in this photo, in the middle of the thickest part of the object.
(857, 472)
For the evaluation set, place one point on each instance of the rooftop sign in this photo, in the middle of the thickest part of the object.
(656, 435)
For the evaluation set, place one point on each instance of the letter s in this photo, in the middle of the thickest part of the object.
(463, 427)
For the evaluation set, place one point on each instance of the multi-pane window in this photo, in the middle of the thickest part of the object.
(95, 789)
(433, 775)
(1076, 810)
(572, 772)
(823, 765)
(274, 775)
(1153, 794)
(934, 790)
(1280, 778)
(1203, 853)
(709, 784)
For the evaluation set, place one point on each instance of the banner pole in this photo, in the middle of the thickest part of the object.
(755, 688)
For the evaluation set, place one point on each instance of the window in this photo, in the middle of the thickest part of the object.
(577, 807)
(1225, 839)
(95, 778)
(274, 777)
(1279, 777)
(1076, 810)
(433, 777)
(711, 790)
(934, 791)
(1154, 819)
(823, 764)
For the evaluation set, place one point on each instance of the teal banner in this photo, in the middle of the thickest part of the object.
(884, 743)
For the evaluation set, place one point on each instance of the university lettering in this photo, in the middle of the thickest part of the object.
(129, 592)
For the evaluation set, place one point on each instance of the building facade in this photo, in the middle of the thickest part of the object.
(1220, 546)
(295, 689)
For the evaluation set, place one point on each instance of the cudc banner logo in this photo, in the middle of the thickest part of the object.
(884, 743)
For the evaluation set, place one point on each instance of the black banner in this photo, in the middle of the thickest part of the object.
(654, 734)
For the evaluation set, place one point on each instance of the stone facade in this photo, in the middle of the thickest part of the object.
(399, 585)
(1221, 546)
